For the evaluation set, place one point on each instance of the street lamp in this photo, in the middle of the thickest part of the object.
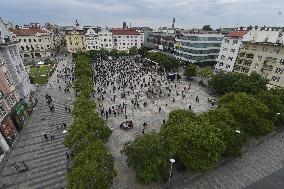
(277, 115)
(172, 162)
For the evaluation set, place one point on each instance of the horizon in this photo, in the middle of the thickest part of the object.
(148, 13)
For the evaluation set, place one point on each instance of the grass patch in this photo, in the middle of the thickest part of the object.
(39, 75)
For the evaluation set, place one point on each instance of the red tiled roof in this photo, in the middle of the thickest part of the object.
(238, 34)
(124, 32)
(27, 32)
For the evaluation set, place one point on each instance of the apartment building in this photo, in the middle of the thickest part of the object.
(105, 39)
(229, 51)
(200, 47)
(263, 52)
(92, 40)
(124, 39)
(35, 42)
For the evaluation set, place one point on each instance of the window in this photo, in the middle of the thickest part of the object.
(11, 100)
(233, 50)
(259, 58)
(226, 41)
(224, 49)
(281, 62)
(8, 79)
(275, 78)
(223, 57)
(25, 40)
(279, 70)
(2, 112)
(30, 40)
(235, 41)
(230, 58)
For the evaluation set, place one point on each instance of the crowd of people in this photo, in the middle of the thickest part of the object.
(134, 83)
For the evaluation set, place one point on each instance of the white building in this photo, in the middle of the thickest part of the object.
(9, 52)
(124, 39)
(105, 39)
(199, 47)
(34, 42)
(92, 40)
(229, 51)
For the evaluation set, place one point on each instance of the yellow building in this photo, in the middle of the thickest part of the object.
(75, 40)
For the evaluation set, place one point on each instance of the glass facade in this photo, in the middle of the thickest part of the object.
(200, 45)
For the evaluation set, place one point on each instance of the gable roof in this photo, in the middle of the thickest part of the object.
(124, 32)
(237, 34)
(28, 31)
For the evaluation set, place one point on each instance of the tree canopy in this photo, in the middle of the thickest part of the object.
(166, 61)
(93, 168)
(249, 112)
(190, 71)
(224, 83)
(207, 28)
(149, 157)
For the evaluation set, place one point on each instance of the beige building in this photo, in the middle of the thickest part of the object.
(263, 52)
(34, 42)
(75, 40)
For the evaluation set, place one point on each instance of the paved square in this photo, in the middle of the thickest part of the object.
(135, 79)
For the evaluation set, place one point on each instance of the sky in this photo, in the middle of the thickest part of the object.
(152, 13)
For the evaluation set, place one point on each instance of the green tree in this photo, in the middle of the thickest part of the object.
(249, 113)
(224, 83)
(142, 51)
(133, 51)
(275, 104)
(149, 158)
(93, 168)
(114, 53)
(166, 61)
(207, 28)
(224, 120)
(197, 144)
(205, 72)
(190, 71)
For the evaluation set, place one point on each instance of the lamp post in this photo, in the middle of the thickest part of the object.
(277, 115)
(172, 162)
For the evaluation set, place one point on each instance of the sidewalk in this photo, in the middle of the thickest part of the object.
(45, 160)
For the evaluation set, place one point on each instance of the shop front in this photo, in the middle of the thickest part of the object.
(8, 130)
(19, 115)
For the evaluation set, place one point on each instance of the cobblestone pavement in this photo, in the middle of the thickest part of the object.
(46, 160)
(255, 164)
(151, 114)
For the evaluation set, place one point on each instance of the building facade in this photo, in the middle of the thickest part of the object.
(75, 40)
(229, 51)
(199, 47)
(92, 40)
(105, 39)
(161, 41)
(124, 39)
(34, 42)
(263, 52)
